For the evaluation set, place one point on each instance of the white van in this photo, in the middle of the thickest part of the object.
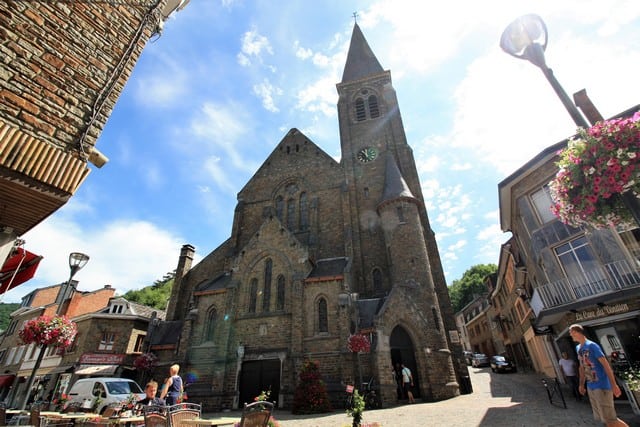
(109, 390)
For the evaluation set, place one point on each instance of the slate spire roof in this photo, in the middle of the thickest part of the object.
(394, 184)
(361, 62)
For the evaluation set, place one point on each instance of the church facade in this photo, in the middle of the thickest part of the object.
(321, 250)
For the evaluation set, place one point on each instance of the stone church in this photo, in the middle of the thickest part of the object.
(320, 250)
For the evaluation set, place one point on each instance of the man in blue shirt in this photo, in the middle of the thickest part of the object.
(598, 375)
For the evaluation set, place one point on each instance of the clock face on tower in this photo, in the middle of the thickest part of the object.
(367, 154)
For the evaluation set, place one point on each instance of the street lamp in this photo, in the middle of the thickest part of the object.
(526, 38)
(77, 261)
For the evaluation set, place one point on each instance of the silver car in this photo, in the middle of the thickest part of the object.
(478, 360)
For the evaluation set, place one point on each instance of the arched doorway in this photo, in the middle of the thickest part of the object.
(402, 351)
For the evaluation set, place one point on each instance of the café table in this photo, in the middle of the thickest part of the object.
(126, 421)
(220, 421)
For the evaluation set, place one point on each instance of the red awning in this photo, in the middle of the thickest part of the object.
(19, 267)
(6, 380)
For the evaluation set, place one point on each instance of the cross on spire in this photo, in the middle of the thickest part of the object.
(355, 17)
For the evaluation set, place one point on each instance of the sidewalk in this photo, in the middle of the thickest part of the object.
(498, 400)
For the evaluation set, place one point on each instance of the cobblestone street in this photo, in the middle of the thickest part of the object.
(498, 400)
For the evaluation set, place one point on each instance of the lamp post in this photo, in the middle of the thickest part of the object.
(526, 38)
(77, 261)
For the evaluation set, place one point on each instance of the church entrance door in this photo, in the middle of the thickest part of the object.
(257, 376)
(402, 351)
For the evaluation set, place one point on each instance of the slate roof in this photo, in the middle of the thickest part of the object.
(219, 282)
(361, 61)
(394, 184)
(328, 268)
(367, 310)
(167, 332)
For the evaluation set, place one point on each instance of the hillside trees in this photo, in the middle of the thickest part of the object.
(471, 284)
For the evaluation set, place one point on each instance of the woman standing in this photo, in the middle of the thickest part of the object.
(172, 386)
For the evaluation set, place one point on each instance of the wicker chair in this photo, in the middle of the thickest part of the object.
(183, 411)
(256, 414)
(156, 416)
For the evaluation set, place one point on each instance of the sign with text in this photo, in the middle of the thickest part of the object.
(601, 312)
(101, 359)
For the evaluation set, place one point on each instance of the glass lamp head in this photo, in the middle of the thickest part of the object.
(526, 38)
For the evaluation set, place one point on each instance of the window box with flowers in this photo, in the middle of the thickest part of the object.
(599, 172)
(631, 383)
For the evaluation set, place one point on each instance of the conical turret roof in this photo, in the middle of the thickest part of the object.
(361, 61)
(394, 184)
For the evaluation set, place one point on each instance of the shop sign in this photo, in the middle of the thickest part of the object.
(101, 359)
(601, 312)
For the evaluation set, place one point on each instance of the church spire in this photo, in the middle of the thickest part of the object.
(361, 61)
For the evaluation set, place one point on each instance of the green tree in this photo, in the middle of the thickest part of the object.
(5, 314)
(156, 295)
(471, 284)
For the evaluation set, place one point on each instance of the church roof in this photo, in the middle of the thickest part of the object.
(361, 61)
(394, 184)
(218, 282)
(166, 333)
(328, 268)
(367, 310)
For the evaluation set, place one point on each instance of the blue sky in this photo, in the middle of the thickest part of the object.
(211, 98)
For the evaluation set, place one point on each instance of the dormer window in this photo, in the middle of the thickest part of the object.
(117, 309)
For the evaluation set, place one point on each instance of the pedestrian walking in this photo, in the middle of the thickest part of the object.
(570, 374)
(407, 380)
(596, 372)
(173, 389)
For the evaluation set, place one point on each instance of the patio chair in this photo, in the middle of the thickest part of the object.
(183, 411)
(112, 409)
(73, 407)
(54, 421)
(156, 416)
(256, 414)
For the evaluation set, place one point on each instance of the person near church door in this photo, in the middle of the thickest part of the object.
(397, 376)
(570, 373)
(407, 381)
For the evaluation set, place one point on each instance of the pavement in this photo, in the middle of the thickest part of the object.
(498, 400)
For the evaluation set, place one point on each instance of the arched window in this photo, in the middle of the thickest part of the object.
(374, 111)
(304, 212)
(280, 291)
(361, 114)
(279, 207)
(291, 214)
(323, 321)
(253, 295)
(266, 295)
(211, 325)
(377, 279)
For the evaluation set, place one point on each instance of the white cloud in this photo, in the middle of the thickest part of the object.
(301, 52)
(164, 86)
(265, 91)
(126, 254)
(253, 45)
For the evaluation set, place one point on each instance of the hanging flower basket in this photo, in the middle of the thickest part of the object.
(56, 331)
(358, 343)
(145, 362)
(598, 165)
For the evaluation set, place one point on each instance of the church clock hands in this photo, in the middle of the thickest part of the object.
(367, 154)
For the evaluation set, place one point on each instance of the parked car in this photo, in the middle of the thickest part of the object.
(106, 390)
(478, 360)
(467, 356)
(502, 364)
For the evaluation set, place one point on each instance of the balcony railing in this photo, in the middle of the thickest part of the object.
(608, 278)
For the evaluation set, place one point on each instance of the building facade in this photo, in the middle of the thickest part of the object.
(321, 250)
(63, 67)
(574, 275)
